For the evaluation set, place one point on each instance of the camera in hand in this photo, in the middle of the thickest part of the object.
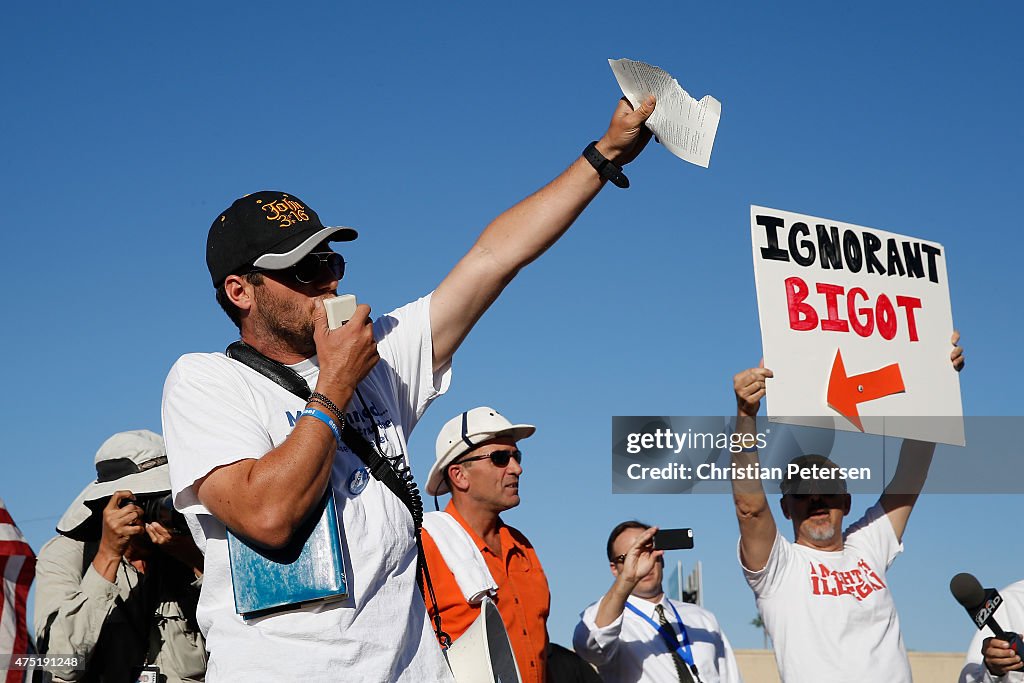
(160, 508)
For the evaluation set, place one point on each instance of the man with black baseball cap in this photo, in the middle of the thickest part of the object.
(824, 597)
(250, 456)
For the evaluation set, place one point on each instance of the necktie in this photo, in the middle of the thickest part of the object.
(671, 641)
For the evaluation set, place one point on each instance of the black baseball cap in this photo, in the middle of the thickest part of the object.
(268, 229)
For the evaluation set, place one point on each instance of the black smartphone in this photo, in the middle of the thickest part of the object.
(673, 539)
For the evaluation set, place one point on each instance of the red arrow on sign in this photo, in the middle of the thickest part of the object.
(844, 393)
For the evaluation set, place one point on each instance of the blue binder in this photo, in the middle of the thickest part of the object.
(309, 569)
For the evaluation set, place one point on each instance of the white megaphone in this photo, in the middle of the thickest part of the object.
(483, 654)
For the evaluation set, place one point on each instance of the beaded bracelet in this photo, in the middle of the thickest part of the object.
(317, 397)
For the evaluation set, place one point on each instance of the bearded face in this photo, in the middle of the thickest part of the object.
(285, 315)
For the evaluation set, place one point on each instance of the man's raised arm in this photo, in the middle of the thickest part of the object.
(525, 231)
(901, 494)
(757, 526)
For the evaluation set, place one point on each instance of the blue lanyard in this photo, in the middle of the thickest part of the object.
(682, 650)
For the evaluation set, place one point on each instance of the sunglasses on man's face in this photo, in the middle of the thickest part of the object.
(619, 559)
(499, 458)
(316, 266)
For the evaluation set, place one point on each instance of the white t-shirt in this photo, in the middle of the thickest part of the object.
(629, 648)
(216, 412)
(1010, 616)
(830, 615)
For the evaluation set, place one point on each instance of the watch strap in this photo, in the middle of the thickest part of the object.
(604, 167)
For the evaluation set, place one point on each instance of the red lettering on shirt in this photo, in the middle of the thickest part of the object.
(876, 581)
(859, 583)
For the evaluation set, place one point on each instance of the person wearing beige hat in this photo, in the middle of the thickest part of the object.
(117, 588)
(470, 552)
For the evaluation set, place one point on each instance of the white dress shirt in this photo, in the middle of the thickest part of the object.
(630, 649)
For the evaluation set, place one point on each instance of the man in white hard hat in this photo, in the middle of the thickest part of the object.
(470, 552)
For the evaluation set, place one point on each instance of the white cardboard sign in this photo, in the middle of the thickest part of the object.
(855, 325)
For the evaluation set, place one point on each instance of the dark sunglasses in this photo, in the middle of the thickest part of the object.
(316, 266)
(619, 559)
(499, 458)
(822, 494)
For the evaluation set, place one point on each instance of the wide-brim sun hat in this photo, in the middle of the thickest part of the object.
(128, 461)
(465, 432)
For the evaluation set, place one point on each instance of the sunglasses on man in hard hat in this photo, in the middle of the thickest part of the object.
(499, 458)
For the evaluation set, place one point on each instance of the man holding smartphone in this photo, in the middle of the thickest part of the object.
(248, 455)
(636, 633)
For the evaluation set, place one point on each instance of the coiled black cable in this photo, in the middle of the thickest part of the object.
(399, 463)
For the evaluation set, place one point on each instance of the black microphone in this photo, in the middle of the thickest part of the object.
(981, 604)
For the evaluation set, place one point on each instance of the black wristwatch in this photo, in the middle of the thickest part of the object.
(605, 168)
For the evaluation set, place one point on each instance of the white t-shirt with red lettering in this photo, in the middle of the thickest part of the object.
(830, 615)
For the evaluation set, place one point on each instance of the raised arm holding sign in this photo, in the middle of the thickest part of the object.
(809, 591)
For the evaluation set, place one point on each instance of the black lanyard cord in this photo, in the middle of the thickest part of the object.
(392, 471)
(415, 504)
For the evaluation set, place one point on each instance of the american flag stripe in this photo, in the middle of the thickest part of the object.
(12, 543)
(17, 575)
(15, 549)
(17, 569)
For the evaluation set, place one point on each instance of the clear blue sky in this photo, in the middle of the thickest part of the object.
(128, 127)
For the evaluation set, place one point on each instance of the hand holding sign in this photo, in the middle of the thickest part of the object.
(957, 354)
(750, 387)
